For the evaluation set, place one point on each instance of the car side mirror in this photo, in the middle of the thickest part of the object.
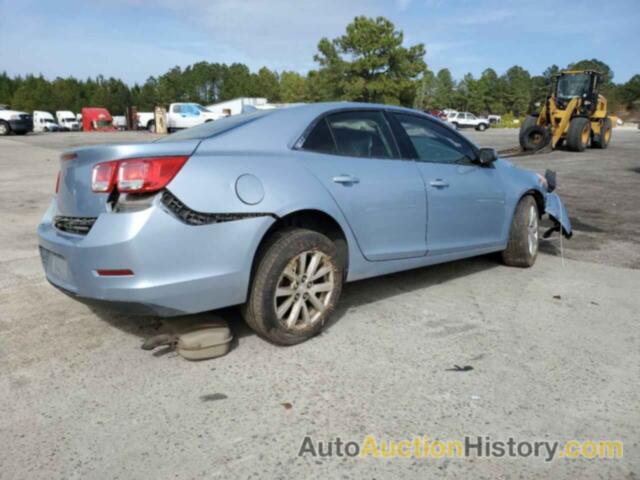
(487, 156)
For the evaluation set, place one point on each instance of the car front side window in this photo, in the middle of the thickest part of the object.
(433, 143)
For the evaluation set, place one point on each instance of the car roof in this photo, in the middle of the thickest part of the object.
(279, 129)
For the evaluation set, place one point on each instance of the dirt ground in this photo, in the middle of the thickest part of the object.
(554, 351)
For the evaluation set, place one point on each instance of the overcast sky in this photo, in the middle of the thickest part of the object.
(134, 39)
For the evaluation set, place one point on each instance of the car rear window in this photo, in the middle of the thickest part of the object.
(216, 127)
(320, 139)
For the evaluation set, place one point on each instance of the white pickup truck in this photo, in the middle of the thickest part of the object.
(14, 121)
(468, 120)
(179, 115)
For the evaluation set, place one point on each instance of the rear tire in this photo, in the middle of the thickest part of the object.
(578, 134)
(280, 306)
(455, 125)
(602, 140)
(524, 236)
(5, 129)
(151, 126)
(481, 127)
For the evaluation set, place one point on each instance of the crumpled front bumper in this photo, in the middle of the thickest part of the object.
(558, 213)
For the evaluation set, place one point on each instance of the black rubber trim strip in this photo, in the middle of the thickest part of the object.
(77, 225)
(191, 217)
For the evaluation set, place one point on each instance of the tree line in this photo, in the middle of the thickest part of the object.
(368, 63)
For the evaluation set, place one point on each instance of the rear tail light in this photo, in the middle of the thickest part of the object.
(103, 177)
(138, 175)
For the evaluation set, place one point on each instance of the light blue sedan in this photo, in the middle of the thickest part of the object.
(276, 209)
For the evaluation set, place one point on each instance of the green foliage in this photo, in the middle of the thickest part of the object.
(629, 93)
(594, 64)
(293, 87)
(509, 120)
(369, 64)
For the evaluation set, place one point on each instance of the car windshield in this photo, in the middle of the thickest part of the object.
(570, 86)
(210, 129)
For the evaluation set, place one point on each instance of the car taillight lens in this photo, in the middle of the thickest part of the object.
(103, 177)
(138, 175)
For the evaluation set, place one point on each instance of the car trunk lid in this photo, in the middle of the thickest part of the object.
(75, 197)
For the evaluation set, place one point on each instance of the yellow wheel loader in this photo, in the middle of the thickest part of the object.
(574, 113)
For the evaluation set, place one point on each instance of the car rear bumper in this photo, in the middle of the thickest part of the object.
(177, 268)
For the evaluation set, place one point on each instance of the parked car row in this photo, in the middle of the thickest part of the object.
(179, 116)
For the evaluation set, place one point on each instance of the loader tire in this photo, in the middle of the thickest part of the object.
(602, 140)
(578, 134)
(528, 122)
(535, 138)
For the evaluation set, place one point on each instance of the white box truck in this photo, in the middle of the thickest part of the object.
(44, 122)
(67, 120)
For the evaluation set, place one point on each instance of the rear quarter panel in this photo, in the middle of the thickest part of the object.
(207, 183)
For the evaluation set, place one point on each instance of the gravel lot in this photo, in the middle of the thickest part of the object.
(555, 352)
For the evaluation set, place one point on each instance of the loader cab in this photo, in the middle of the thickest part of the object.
(583, 84)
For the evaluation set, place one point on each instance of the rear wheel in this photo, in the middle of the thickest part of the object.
(578, 134)
(481, 127)
(455, 125)
(151, 126)
(602, 140)
(522, 249)
(296, 286)
(4, 128)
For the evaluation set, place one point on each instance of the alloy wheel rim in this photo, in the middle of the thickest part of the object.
(3, 128)
(304, 290)
(532, 229)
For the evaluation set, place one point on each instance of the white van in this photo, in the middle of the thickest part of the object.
(67, 120)
(44, 122)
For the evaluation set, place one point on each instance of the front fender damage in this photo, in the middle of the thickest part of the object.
(558, 214)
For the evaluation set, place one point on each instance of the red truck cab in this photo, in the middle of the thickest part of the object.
(97, 120)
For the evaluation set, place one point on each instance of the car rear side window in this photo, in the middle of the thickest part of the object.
(362, 134)
(320, 139)
(434, 143)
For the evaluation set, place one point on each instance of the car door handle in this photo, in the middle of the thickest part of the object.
(346, 179)
(439, 183)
